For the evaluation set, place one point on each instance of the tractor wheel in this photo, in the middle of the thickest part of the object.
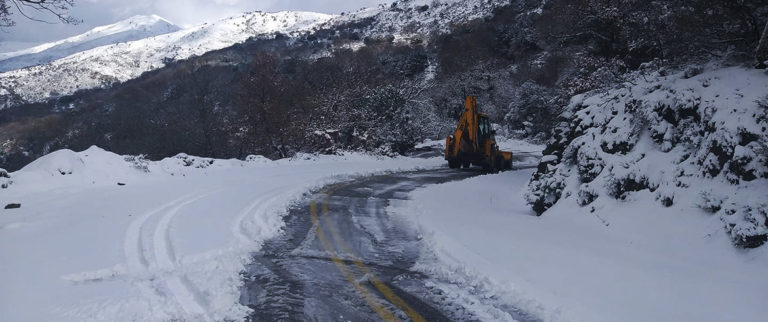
(488, 166)
(500, 164)
(453, 164)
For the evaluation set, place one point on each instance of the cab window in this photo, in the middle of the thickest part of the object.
(484, 129)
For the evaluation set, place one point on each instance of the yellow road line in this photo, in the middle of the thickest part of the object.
(369, 298)
(381, 286)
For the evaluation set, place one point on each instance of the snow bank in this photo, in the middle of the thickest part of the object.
(689, 140)
(624, 261)
(103, 237)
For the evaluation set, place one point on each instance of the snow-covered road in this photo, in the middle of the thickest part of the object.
(99, 239)
(344, 257)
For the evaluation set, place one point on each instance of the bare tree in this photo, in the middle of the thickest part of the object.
(761, 54)
(32, 9)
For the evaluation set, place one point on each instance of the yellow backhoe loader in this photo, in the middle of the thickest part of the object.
(474, 142)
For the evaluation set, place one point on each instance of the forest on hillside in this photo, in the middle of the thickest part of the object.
(345, 89)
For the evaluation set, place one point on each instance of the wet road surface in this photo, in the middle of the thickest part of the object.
(341, 257)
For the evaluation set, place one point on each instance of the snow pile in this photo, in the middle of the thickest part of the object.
(104, 237)
(106, 65)
(98, 167)
(133, 28)
(623, 262)
(690, 140)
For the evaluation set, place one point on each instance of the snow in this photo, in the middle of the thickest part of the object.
(122, 61)
(678, 136)
(505, 144)
(394, 17)
(167, 244)
(655, 197)
(133, 28)
(548, 158)
(626, 261)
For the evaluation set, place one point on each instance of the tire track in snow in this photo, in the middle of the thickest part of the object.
(185, 294)
(138, 251)
(258, 206)
(133, 247)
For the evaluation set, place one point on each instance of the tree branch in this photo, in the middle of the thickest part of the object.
(57, 8)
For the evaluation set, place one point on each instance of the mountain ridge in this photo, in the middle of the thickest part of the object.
(112, 63)
(108, 65)
(130, 29)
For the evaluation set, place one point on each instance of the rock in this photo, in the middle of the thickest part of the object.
(13, 206)
(4, 174)
(120, 184)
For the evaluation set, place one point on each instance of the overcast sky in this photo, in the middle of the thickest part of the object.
(181, 12)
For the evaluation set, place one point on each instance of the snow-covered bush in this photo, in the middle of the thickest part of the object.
(546, 187)
(191, 161)
(5, 179)
(746, 223)
(258, 159)
(695, 136)
(586, 195)
(139, 162)
(589, 164)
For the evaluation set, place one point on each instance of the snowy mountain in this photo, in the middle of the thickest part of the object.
(134, 28)
(106, 65)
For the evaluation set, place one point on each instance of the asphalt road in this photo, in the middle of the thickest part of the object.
(343, 258)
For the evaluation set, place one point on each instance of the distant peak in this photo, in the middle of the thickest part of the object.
(151, 18)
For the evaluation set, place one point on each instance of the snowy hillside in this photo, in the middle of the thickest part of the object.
(106, 65)
(404, 19)
(104, 237)
(689, 139)
(134, 28)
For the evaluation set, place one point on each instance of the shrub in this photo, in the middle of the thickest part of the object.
(619, 188)
(586, 195)
(746, 224)
(544, 190)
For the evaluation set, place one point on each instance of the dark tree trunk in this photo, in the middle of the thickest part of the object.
(761, 54)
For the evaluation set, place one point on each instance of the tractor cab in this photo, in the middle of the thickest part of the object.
(484, 130)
